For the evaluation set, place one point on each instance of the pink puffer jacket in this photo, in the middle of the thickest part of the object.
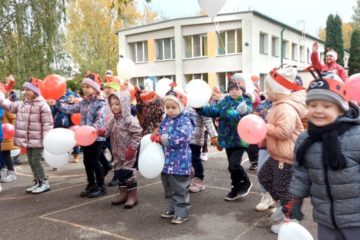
(33, 121)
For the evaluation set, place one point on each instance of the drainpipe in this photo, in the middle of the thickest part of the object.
(282, 47)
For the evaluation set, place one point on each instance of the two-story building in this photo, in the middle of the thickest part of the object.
(197, 48)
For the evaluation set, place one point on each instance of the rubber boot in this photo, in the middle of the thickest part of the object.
(132, 199)
(121, 196)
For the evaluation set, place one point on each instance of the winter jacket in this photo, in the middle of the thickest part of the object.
(333, 67)
(312, 180)
(284, 125)
(8, 144)
(91, 111)
(33, 121)
(177, 132)
(124, 131)
(61, 119)
(229, 117)
(201, 124)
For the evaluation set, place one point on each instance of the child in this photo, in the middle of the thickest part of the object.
(230, 110)
(33, 121)
(283, 127)
(91, 109)
(328, 161)
(175, 135)
(124, 132)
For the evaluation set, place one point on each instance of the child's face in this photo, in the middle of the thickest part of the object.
(108, 91)
(171, 108)
(322, 113)
(29, 94)
(115, 105)
(71, 99)
(88, 90)
(235, 93)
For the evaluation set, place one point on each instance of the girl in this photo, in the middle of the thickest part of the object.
(124, 132)
(175, 135)
(91, 109)
(33, 121)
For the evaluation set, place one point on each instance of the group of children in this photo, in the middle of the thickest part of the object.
(320, 162)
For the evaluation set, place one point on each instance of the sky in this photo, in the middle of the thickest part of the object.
(293, 13)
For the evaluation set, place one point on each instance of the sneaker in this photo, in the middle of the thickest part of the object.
(179, 220)
(11, 176)
(253, 166)
(204, 156)
(87, 190)
(265, 203)
(167, 214)
(244, 189)
(97, 192)
(276, 227)
(197, 185)
(33, 187)
(277, 214)
(43, 187)
(232, 195)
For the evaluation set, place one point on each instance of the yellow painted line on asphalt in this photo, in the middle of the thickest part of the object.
(87, 228)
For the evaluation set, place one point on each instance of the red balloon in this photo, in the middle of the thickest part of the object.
(352, 88)
(8, 131)
(53, 87)
(85, 135)
(252, 129)
(76, 118)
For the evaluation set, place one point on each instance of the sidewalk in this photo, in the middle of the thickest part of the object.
(62, 214)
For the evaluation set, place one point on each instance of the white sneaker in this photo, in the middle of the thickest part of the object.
(11, 176)
(276, 227)
(265, 203)
(43, 187)
(33, 187)
(277, 215)
(204, 156)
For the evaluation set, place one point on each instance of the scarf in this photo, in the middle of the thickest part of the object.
(332, 156)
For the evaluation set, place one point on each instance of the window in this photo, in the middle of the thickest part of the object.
(139, 51)
(294, 51)
(165, 49)
(203, 76)
(139, 81)
(285, 48)
(263, 43)
(275, 46)
(195, 46)
(301, 58)
(230, 42)
(171, 77)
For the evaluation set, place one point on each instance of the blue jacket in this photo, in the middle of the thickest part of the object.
(229, 117)
(177, 133)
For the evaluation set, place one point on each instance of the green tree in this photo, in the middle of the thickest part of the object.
(356, 15)
(354, 60)
(334, 37)
(347, 32)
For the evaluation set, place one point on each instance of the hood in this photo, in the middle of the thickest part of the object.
(295, 99)
(125, 101)
(351, 116)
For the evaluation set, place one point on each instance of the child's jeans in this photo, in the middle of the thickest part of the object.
(196, 161)
(34, 156)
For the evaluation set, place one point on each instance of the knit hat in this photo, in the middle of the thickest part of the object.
(33, 84)
(91, 83)
(333, 53)
(328, 87)
(237, 81)
(179, 98)
(112, 82)
(283, 80)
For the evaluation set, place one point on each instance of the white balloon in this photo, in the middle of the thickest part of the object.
(198, 93)
(145, 142)
(15, 152)
(211, 7)
(59, 140)
(125, 68)
(163, 86)
(56, 160)
(293, 231)
(151, 161)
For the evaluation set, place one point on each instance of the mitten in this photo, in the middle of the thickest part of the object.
(101, 132)
(242, 108)
(155, 138)
(214, 141)
(130, 154)
(294, 209)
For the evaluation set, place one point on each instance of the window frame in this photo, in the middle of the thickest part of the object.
(238, 47)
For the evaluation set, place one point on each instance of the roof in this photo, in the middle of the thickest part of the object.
(256, 13)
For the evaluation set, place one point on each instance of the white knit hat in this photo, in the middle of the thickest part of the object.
(283, 80)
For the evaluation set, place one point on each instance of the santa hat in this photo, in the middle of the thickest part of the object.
(283, 80)
(179, 98)
(332, 53)
(33, 84)
(237, 81)
(328, 87)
